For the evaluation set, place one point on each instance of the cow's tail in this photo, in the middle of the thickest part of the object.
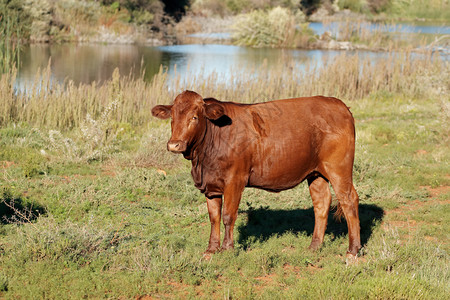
(339, 213)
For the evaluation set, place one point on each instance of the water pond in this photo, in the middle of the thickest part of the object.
(85, 63)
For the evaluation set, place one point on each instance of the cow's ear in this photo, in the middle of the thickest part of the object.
(214, 111)
(162, 111)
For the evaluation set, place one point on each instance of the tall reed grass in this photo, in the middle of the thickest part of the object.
(9, 44)
(438, 10)
(64, 105)
(376, 35)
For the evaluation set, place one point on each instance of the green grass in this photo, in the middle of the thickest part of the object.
(437, 10)
(129, 222)
(403, 10)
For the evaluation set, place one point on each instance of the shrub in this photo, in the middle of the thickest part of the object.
(42, 19)
(378, 6)
(96, 139)
(274, 28)
(219, 7)
(143, 17)
(353, 5)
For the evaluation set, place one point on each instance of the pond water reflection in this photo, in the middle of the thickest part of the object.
(85, 63)
(406, 28)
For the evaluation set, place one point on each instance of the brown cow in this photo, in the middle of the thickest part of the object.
(272, 146)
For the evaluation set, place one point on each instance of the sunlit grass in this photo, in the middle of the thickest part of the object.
(129, 222)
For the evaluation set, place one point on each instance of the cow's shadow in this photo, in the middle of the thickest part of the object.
(18, 210)
(264, 223)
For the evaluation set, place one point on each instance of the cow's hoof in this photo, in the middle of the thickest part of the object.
(351, 259)
(209, 252)
(212, 250)
(207, 255)
(315, 245)
(224, 248)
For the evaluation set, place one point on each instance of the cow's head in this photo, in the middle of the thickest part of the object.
(189, 115)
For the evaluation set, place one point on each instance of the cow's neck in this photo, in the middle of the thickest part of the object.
(197, 155)
(197, 148)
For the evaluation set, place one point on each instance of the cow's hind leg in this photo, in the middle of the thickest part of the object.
(348, 202)
(321, 198)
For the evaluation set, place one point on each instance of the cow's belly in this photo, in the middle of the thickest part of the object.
(279, 172)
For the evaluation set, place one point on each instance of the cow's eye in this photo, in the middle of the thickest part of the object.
(194, 118)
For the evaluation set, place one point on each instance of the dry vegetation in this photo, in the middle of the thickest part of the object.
(92, 205)
(64, 105)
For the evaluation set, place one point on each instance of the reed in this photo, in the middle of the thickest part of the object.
(65, 105)
(9, 44)
(438, 10)
(376, 35)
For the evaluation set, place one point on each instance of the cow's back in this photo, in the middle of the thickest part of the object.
(286, 140)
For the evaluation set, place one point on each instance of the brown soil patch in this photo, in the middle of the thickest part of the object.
(415, 204)
(144, 297)
(287, 270)
(421, 152)
(266, 279)
(6, 164)
(431, 238)
(313, 269)
(437, 191)
(178, 285)
(293, 269)
(183, 289)
(412, 225)
(110, 173)
(109, 170)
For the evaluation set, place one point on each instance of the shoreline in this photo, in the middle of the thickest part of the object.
(218, 30)
(199, 39)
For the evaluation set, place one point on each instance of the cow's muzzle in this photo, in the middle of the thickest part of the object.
(176, 146)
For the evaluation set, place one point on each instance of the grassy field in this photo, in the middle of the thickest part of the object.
(93, 206)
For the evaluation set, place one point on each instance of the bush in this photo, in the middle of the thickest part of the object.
(96, 139)
(208, 7)
(42, 19)
(143, 17)
(353, 5)
(219, 7)
(378, 6)
(274, 28)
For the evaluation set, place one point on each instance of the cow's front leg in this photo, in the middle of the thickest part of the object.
(214, 211)
(232, 197)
